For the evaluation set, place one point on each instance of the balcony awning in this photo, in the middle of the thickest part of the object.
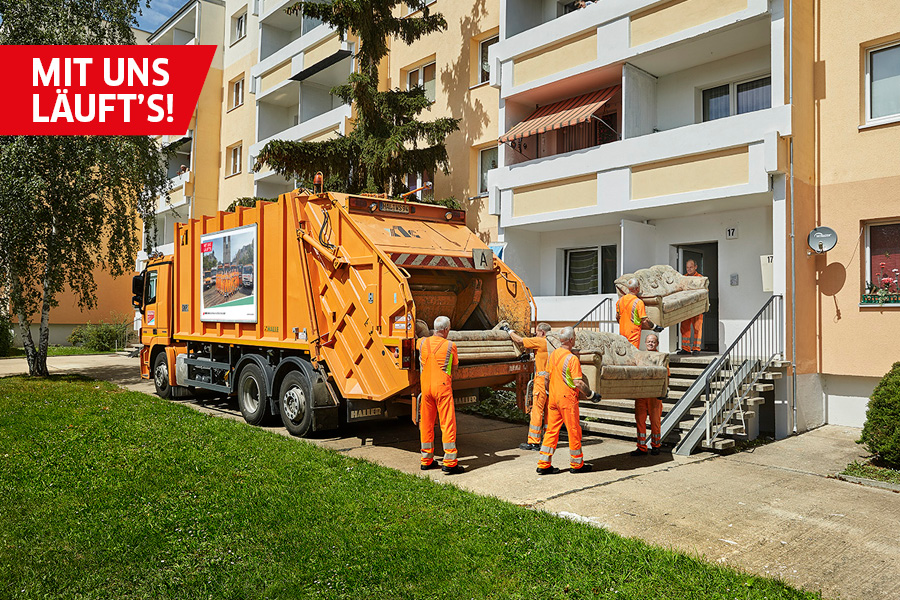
(565, 113)
(321, 65)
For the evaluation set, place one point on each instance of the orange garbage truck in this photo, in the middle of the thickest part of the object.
(324, 330)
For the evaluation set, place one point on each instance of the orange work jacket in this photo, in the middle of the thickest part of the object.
(630, 310)
(438, 357)
(565, 370)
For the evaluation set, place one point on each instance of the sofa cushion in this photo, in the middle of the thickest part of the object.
(680, 299)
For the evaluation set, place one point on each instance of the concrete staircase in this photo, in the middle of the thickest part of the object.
(615, 418)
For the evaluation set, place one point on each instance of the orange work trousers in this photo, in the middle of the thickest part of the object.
(560, 412)
(691, 343)
(538, 424)
(642, 408)
(431, 408)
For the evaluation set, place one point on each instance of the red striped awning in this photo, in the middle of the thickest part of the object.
(561, 114)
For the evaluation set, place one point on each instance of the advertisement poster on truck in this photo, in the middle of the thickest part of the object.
(228, 276)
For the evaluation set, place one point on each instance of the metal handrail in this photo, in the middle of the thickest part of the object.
(597, 310)
(731, 377)
(750, 355)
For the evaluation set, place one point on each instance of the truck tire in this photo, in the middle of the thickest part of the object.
(251, 394)
(161, 376)
(295, 403)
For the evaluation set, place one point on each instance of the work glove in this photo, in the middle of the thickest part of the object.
(658, 328)
(595, 397)
(504, 327)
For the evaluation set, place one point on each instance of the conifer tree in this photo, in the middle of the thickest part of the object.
(388, 140)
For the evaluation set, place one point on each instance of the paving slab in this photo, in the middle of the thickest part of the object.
(775, 510)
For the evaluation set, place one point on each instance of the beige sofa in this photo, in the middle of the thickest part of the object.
(669, 296)
(616, 369)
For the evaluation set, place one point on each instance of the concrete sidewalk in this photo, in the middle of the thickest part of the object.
(775, 510)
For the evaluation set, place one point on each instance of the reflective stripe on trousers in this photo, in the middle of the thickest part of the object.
(427, 453)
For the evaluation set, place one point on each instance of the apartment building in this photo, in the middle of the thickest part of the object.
(853, 123)
(240, 41)
(454, 69)
(643, 132)
(299, 60)
(194, 169)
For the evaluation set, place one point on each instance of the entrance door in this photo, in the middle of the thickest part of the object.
(706, 257)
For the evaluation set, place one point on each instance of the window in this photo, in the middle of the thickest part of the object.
(609, 269)
(485, 74)
(737, 98)
(883, 256)
(487, 160)
(409, 9)
(234, 160)
(237, 93)
(597, 131)
(415, 181)
(589, 270)
(582, 276)
(423, 76)
(239, 27)
(883, 83)
(150, 291)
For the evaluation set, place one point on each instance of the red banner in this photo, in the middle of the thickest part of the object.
(101, 90)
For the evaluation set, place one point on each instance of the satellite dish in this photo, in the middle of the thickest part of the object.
(822, 239)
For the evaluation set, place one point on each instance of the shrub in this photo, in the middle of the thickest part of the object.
(104, 336)
(881, 432)
(6, 335)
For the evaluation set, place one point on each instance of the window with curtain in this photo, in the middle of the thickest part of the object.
(884, 82)
(423, 76)
(737, 98)
(716, 102)
(883, 255)
(582, 274)
(754, 95)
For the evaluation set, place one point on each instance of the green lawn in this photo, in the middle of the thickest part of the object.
(55, 351)
(867, 470)
(106, 493)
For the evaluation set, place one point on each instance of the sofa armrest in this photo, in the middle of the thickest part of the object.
(694, 283)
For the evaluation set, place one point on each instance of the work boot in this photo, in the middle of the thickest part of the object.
(683, 352)
(527, 446)
(454, 470)
(695, 352)
(585, 468)
(654, 451)
(432, 465)
(638, 452)
(547, 471)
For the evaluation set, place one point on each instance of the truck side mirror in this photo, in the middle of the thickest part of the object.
(137, 291)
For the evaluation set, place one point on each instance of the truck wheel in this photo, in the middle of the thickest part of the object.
(161, 376)
(251, 394)
(296, 404)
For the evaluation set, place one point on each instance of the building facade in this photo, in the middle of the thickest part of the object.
(854, 117)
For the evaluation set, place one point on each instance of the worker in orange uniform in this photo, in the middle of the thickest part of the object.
(652, 407)
(538, 424)
(566, 384)
(632, 315)
(438, 358)
(690, 340)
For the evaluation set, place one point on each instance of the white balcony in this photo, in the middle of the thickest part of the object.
(182, 29)
(533, 54)
(723, 164)
(332, 120)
